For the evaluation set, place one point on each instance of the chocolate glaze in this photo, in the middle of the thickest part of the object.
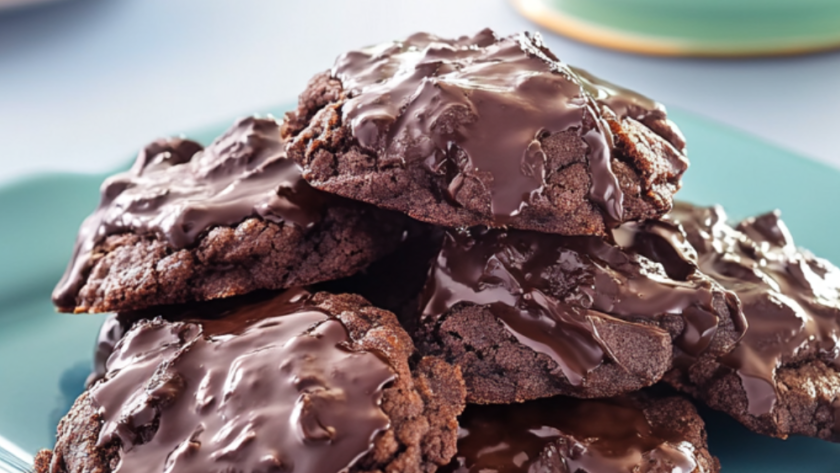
(627, 103)
(110, 333)
(116, 325)
(177, 191)
(271, 386)
(791, 299)
(481, 106)
(565, 435)
(546, 289)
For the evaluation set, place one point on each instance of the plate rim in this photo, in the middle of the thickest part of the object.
(627, 40)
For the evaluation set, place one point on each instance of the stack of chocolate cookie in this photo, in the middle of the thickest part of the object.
(454, 255)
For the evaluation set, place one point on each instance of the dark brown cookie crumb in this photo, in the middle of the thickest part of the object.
(806, 404)
(132, 272)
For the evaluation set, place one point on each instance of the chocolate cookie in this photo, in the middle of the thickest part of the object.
(783, 377)
(488, 131)
(299, 383)
(567, 435)
(189, 224)
(528, 315)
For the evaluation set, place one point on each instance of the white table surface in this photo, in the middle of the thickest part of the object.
(84, 83)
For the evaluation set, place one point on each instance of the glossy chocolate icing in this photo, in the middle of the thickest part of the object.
(112, 330)
(271, 386)
(481, 105)
(177, 191)
(547, 289)
(791, 299)
(627, 103)
(116, 325)
(565, 435)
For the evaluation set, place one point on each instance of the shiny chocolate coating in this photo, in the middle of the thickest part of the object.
(116, 325)
(271, 386)
(566, 435)
(627, 103)
(547, 289)
(791, 299)
(176, 190)
(483, 104)
(112, 330)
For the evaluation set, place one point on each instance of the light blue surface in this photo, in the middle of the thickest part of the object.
(44, 356)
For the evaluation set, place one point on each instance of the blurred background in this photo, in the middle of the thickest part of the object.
(85, 83)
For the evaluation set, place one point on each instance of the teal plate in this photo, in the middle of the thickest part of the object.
(45, 356)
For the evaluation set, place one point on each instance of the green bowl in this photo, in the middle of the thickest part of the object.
(693, 27)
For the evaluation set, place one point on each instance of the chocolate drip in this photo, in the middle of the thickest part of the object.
(791, 299)
(177, 191)
(566, 434)
(627, 103)
(478, 108)
(548, 289)
(660, 241)
(116, 325)
(394, 282)
(110, 333)
(271, 386)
